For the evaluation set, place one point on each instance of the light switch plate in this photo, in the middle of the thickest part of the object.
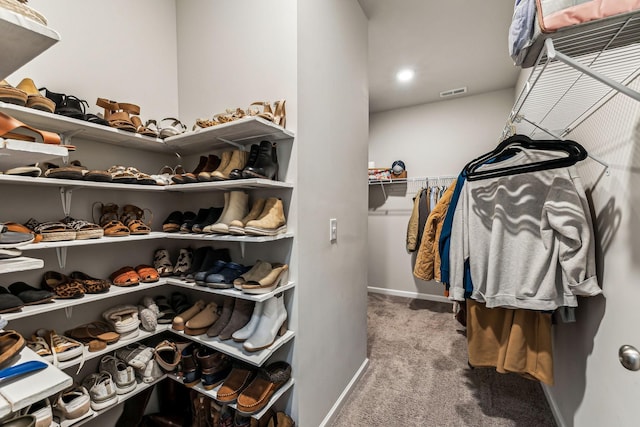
(333, 229)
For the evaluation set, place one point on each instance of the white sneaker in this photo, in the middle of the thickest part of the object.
(102, 390)
(123, 375)
(124, 318)
(73, 403)
(136, 355)
(151, 372)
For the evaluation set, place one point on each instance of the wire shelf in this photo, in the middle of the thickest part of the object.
(575, 75)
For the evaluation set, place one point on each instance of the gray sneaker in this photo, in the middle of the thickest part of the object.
(102, 390)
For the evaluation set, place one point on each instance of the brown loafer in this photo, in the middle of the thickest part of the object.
(257, 394)
(11, 344)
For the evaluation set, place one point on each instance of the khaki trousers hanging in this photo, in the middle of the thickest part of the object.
(510, 340)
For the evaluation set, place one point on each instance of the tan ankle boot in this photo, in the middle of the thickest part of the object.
(238, 161)
(270, 222)
(225, 158)
(237, 208)
(237, 226)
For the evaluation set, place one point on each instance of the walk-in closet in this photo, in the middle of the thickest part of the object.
(187, 237)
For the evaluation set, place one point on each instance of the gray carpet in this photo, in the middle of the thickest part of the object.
(418, 375)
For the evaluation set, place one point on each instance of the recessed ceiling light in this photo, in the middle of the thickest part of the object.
(405, 75)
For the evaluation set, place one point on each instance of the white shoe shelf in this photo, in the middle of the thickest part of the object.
(232, 292)
(22, 263)
(58, 304)
(88, 355)
(213, 393)
(73, 184)
(236, 350)
(237, 134)
(15, 153)
(154, 235)
(22, 40)
(31, 388)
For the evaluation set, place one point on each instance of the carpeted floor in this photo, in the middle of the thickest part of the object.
(418, 375)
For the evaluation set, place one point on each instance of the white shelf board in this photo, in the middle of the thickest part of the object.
(231, 184)
(229, 292)
(244, 131)
(235, 349)
(180, 188)
(22, 40)
(14, 153)
(28, 389)
(88, 355)
(213, 394)
(20, 264)
(74, 184)
(227, 237)
(121, 398)
(58, 304)
(103, 240)
(68, 126)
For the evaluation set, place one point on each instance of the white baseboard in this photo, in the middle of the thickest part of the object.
(407, 294)
(553, 405)
(335, 409)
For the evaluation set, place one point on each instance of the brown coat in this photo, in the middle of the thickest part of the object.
(428, 259)
(414, 224)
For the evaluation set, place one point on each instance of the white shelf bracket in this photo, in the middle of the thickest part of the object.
(65, 197)
(62, 256)
(65, 137)
(234, 144)
(68, 312)
(242, 249)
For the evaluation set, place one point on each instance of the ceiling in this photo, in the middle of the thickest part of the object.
(449, 44)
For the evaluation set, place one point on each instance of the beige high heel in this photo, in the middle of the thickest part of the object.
(267, 283)
(279, 113)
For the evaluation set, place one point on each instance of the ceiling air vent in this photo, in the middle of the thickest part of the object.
(453, 92)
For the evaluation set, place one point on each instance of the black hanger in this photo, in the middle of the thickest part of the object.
(512, 145)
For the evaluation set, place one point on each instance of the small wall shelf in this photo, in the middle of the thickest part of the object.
(575, 75)
(22, 40)
(22, 263)
(14, 153)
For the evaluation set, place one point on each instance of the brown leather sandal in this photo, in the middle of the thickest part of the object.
(11, 128)
(142, 129)
(94, 331)
(132, 216)
(147, 273)
(125, 276)
(109, 220)
(118, 114)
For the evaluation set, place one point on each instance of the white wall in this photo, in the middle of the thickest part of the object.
(591, 387)
(435, 139)
(332, 151)
(231, 54)
(119, 50)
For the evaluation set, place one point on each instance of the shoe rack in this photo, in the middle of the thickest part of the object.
(239, 134)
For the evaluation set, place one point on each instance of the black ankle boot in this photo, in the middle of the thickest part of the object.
(253, 156)
(212, 217)
(266, 165)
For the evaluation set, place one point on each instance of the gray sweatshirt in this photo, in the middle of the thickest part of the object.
(528, 238)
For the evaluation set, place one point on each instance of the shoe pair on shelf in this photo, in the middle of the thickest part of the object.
(54, 347)
(66, 229)
(189, 262)
(74, 285)
(261, 109)
(265, 218)
(130, 276)
(20, 294)
(125, 116)
(26, 94)
(130, 221)
(96, 335)
(13, 236)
